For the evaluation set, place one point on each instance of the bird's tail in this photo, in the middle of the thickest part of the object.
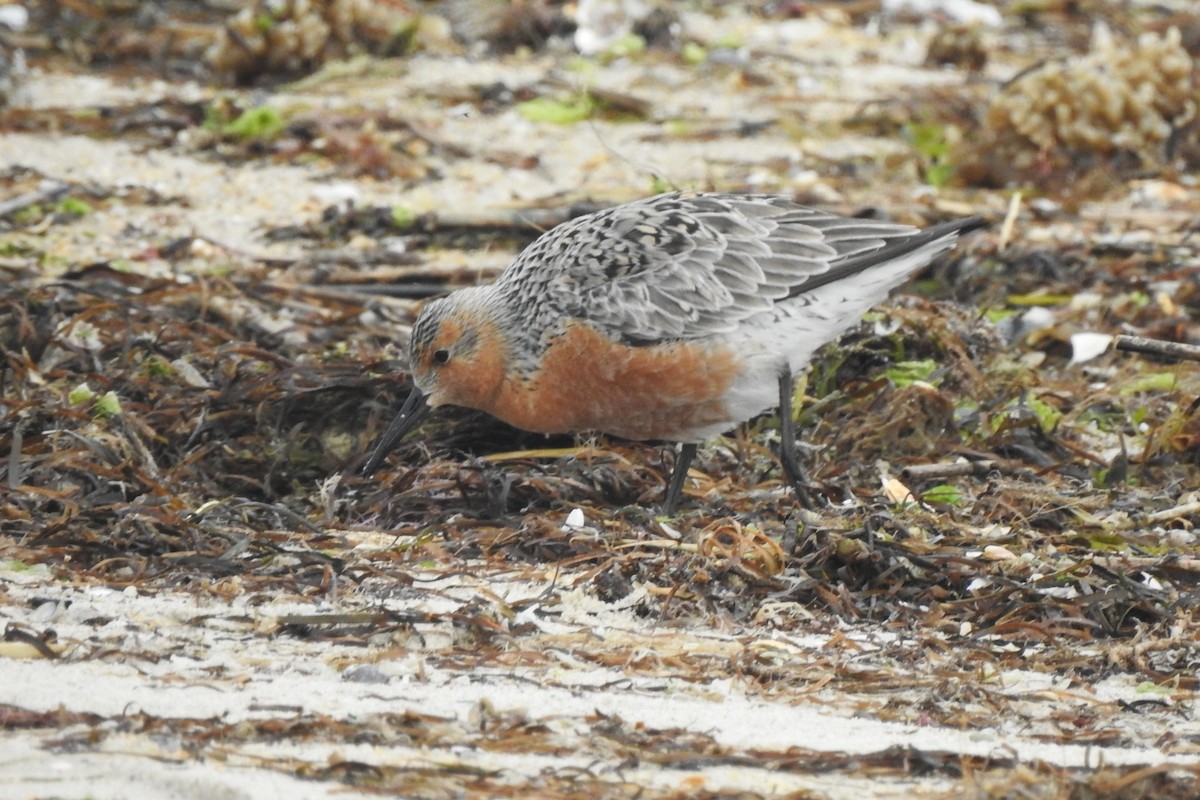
(831, 303)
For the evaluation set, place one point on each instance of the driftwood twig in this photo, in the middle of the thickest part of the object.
(1158, 347)
(46, 193)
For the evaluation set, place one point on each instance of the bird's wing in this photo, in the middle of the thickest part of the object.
(682, 266)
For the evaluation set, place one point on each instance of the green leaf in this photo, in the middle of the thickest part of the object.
(582, 65)
(261, 122)
(1150, 382)
(659, 186)
(928, 139)
(932, 142)
(1107, 542)
(29, 214)
(159, 367)
(906, 373)
(939, 174)
(1047, 415)
(1148, 687)
(80, 394)
(73, 205)
(403, 217)
(693, 54)
(559, 112)
(108, 406)
(944, 494)
(628, 45)
(1039, 299)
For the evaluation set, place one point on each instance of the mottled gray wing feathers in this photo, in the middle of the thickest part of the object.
(681, 266)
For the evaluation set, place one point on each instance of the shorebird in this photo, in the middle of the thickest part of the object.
(672, 318)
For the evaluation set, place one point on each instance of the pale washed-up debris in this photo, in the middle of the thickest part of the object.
(1089, 345)
(965, 11)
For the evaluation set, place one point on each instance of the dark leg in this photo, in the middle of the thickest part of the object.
(675, 488)
(788, 456)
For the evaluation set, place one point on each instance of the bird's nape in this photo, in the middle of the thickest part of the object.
(410, 415)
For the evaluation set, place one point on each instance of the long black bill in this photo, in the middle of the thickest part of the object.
(411, 413)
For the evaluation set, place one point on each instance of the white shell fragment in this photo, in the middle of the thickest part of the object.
(1086, 346)
(575, 520)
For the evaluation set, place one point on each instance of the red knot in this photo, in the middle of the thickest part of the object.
(672, 318)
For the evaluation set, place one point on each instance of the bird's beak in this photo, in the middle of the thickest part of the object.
(412, 412)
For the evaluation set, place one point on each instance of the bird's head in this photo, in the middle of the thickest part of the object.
(456, 351)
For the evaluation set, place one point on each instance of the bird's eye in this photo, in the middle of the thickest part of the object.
(441, 356)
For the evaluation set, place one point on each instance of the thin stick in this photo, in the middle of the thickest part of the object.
(1148, 563)
(1010, 221)
(47, 193)
(1158, 347)
(954, 469)
(1170, 514)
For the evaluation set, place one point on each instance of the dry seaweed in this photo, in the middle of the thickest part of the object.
(190, 422)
